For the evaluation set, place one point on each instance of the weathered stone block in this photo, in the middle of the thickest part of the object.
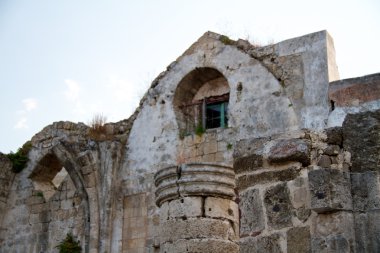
(298, 240)
(362, 139)
(333, 232)
(221, 208)
(334, 135)
(267, 244)
(332, 150)
(324, 161)
(200, 246)
(250, 146)
(212, 246)
(367, 231)
(35, 200)
(248, 163)
(330, 190)
(164, 212)
(298, 192)
(245, 181)
(330, 244)
(37, 208)
(219, 157)
(300, 198)
(278, 206)
(173, 230)
(185, 207)
(251, 213)
(365, 190)
(210, 147)
(290, 150)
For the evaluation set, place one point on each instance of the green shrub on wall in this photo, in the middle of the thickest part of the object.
(69, 245)
(20, 158)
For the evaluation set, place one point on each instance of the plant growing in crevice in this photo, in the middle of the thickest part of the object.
(20, 158)
(69, 245)
(229, 146)
(97, 127)
(199, 130)
(40, 194)
(226, 40)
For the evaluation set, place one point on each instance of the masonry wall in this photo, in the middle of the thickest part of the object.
(275, 179)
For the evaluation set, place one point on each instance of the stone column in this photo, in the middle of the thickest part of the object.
(197, 208)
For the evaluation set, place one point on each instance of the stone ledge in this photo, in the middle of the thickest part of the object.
(245, 181)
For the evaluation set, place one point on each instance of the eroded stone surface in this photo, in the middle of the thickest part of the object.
(333, 232)
(330, 190)
(193, 228)
(290, 150)
(362, 140)
(270, 244)
(245, 181)
(334, 135)
(251, 213)
(367, 231)
(298, 240)
(365, 190)
(278, 206)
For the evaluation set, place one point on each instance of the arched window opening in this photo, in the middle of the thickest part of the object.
(201, 101)
(48, 176)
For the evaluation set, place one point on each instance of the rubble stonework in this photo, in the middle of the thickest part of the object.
(295, 167)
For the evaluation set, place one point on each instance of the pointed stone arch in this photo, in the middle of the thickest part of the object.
(50, 164)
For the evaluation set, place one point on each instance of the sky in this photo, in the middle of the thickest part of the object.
(73, 59)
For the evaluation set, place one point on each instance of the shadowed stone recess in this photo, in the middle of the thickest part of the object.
(334, 135)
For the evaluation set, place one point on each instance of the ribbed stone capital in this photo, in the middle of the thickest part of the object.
(194, 179)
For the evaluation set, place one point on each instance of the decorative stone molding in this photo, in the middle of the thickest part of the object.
(194, 179)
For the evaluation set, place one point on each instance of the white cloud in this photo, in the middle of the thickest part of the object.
(22, 123)
(73, 89)
(29, 104)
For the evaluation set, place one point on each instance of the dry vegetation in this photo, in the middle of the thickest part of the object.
(97, 127)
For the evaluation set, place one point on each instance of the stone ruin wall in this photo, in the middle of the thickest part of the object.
(295, 171)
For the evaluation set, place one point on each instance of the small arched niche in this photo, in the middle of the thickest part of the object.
(48, 175)
(201, 101)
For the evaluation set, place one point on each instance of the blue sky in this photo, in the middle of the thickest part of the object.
(71, 59)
